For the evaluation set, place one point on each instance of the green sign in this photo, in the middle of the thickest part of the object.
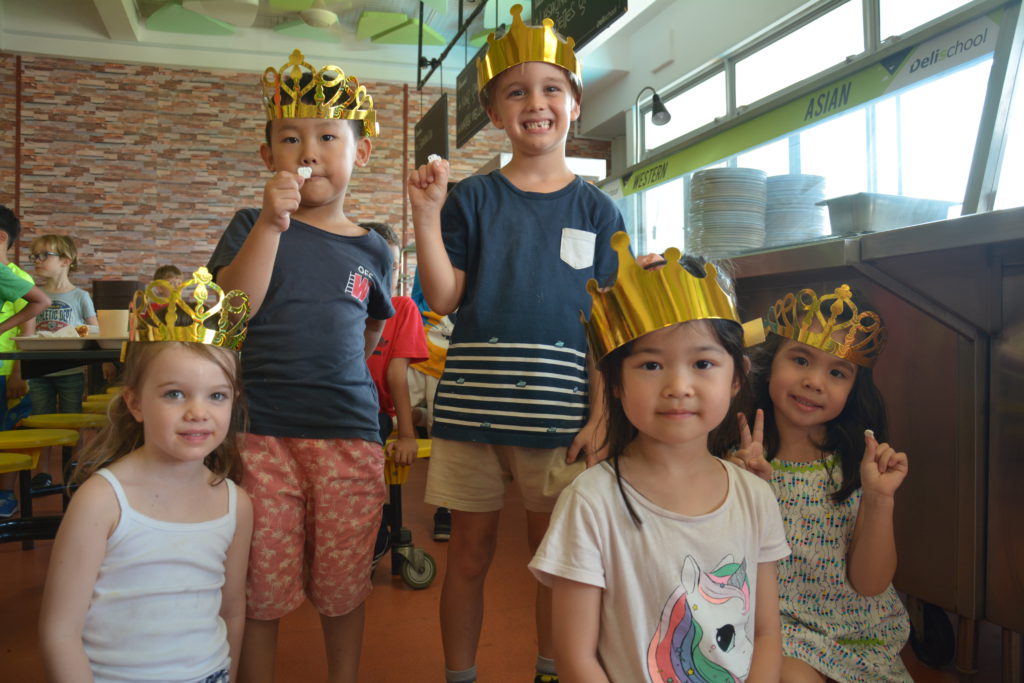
(895, 72)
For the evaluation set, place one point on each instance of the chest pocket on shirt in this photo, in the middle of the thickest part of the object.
(578, 248)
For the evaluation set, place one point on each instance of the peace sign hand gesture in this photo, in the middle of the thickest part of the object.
(750, 454)
(882, 469)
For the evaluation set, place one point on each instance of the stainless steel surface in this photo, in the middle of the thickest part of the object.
(1005, 586)
(875, 212)
(829, 253)
(952, 295)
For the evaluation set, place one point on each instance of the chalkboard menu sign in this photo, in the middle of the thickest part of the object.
(431, 132)
(580, 19)
(470, 117)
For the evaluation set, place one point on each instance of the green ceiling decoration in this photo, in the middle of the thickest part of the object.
(409, 34)
(373, 24)
(300, 29)
(290, 5)
(173, 18)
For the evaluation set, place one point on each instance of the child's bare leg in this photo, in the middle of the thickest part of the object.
(536, 526)
(798, 671)
(343, 640)
(470, 551)
(259, 649)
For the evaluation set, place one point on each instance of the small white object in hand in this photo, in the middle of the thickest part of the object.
(305, 172)
(869, 432)
(433, 157)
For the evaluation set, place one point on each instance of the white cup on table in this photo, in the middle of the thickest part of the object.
(113, 323)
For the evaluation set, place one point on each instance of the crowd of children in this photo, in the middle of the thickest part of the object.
(695, 513)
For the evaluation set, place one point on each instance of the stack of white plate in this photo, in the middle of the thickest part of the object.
(727, 210)
(792, 214)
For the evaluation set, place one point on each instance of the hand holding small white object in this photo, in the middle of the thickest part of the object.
(433, 157)
(305, 171)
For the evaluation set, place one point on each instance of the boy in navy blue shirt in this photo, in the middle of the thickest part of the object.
(512, 250)
(319, 290)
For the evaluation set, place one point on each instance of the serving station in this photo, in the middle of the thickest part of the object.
(952, 295)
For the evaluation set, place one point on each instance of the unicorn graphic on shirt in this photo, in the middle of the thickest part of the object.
(702, 633)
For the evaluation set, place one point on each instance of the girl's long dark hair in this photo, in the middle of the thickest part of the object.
(844, 435)
(123, 434)
(621, 432)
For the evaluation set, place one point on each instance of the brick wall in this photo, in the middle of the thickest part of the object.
(144, 165)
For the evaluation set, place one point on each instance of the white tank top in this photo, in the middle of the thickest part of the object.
(155, 610)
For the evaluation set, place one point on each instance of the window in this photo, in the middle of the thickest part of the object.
(690, 109)
(1010, 190)
(824, 42)
(900, 16)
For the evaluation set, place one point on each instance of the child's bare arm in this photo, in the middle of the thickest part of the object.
(252, 266)
(75, 560)
(37, 301)
(371, 335)
(576, 622)
(232, 605)
(766, 663)
(590, 441)
(405, 448)
(871, 558)
(443, 284)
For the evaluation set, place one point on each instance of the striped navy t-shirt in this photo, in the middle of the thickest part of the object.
(516, 370)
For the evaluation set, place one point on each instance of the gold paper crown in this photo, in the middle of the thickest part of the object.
(284, 94)
(802, 317)
(163, 312)
(643, 301)
(522, 43)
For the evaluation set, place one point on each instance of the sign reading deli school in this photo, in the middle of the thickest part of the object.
(963, 44)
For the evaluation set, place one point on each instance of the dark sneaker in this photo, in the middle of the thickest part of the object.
(8, 504)
(442, 524)
(41, 480)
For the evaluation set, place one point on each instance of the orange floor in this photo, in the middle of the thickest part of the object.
(402, 643)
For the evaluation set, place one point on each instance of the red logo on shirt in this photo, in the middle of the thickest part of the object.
(358, 286)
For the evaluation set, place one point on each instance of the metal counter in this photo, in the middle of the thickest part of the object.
(952, 295)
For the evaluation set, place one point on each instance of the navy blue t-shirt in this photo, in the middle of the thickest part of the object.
(303, 361)
(516, 372)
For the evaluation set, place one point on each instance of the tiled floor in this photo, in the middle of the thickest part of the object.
(402, 643)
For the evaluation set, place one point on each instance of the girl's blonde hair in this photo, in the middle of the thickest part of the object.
(62, 245)
(123, 434)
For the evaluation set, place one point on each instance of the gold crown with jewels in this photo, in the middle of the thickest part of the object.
(334, 96)
(643, 301)
(164, 312)
(831, 323)
(522, 43)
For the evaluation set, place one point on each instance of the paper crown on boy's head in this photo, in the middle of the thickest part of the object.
(522, 43)
(831, 323)
(197, 311)
(299, 91)
(643, 301)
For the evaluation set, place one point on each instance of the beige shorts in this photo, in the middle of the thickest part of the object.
(472, 477)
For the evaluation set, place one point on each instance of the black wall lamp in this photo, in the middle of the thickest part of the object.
(659, 114)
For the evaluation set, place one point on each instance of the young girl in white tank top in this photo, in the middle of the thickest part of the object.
(147, 575)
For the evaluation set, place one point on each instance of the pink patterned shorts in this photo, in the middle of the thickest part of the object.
(316, 511)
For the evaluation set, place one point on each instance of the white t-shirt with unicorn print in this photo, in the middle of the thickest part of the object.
(679, 591)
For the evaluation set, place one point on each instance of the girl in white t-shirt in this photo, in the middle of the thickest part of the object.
(147, 575)
(662, 559)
